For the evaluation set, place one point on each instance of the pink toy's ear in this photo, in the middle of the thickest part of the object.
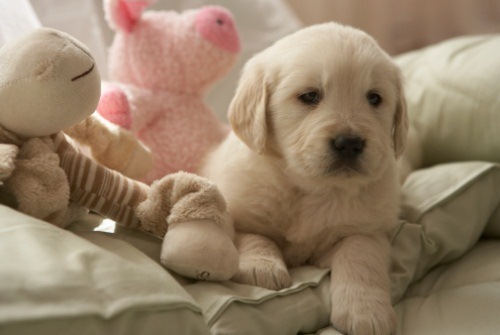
(124, 14)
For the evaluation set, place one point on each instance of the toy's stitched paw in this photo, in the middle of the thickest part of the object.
(263, 272)
(201, 250)
(114, 107)
(363, 312)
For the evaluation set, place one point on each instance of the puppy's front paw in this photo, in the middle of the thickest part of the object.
(363, 313)
(263, 272)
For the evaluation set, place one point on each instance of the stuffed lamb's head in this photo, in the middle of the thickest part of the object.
(48, 82)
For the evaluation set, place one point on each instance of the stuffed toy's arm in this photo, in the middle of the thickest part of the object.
(113, 146)
(38, 185)
(102, 190)
(187, 210)
(131, 108)
(199, 241)
(114, 107)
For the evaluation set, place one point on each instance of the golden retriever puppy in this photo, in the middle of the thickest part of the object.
(309, 171)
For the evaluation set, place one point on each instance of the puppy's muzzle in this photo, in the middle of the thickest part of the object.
(347, 147)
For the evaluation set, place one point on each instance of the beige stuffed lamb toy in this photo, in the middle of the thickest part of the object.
(49, 82)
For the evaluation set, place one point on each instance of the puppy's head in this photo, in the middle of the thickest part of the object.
(327, 100)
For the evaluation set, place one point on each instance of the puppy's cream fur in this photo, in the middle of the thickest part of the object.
(293, 199)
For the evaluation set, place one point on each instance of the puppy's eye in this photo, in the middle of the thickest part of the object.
(310, 98)
(374, 99)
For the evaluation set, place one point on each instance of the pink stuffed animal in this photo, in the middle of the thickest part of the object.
(162, 64)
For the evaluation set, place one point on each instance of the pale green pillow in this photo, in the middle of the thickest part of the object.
(461, 297)
(445, 210)
(453, 95)
(55, 282)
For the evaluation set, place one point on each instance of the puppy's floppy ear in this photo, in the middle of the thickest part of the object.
(247, 112)
(401, 123)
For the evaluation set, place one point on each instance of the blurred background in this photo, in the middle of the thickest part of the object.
(404, 25)
(398, 25)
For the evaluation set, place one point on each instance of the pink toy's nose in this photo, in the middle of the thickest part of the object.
(217, 26)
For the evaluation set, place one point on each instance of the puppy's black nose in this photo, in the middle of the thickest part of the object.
(348, 146)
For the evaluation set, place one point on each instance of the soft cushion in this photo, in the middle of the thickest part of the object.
(452, 90)
(445, 210)
(55, 282)
(457, 298)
